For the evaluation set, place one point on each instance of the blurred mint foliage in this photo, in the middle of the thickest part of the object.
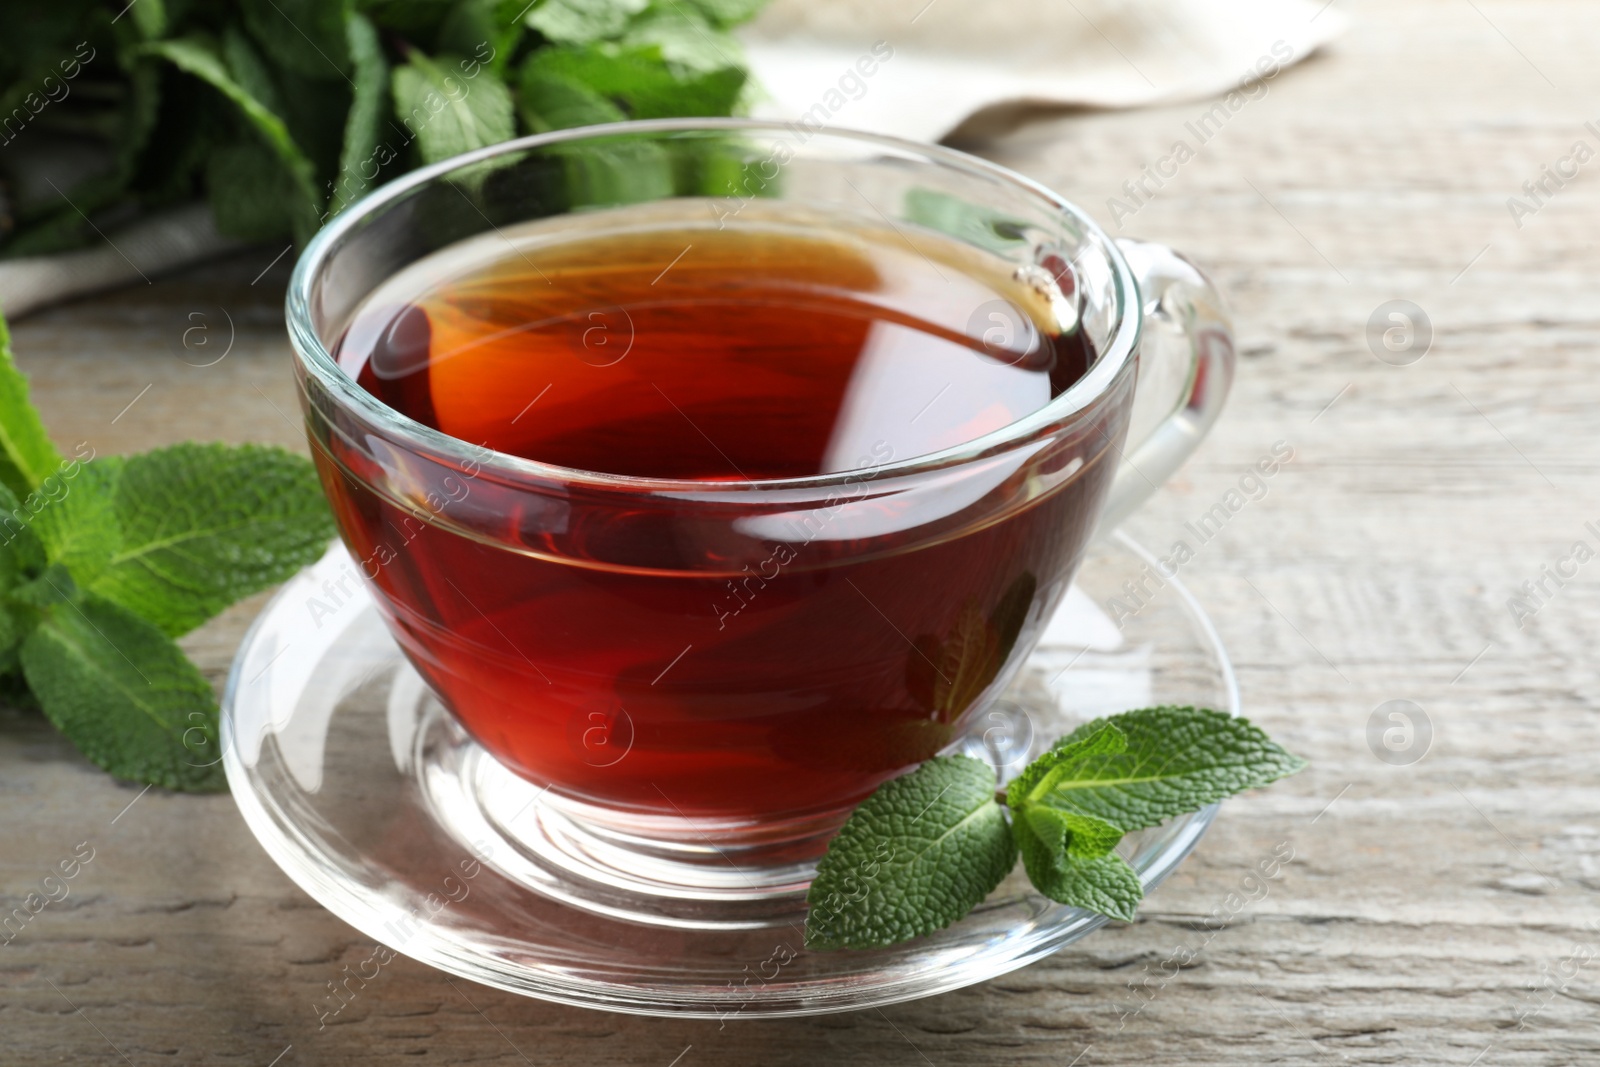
(103, 561)
(283, 112)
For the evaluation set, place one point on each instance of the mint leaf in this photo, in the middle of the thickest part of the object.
(198, 56)
(919, 854)
(20, 554)
(150, 17)
(724, 13)
(205, 525)
(20, 548)
(641, 82)
(1069, 857)
(1081, 836)
(1171, 761)
(250, 195)
(305, 37)
(358, 162)
(121, 691)
(686, 41)
(449, 112)
(26, 455)
(583, 21)
(316, 113)
(53, 585)
(1103, 884)
(1097, 738)
(250, 70)
(485, 29)
(73, 514)
(552, 102)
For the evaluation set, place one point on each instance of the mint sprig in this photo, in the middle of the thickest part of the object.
(284, 112)
(927, 847)
(104, 560)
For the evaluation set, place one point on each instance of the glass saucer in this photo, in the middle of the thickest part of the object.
(364, 791)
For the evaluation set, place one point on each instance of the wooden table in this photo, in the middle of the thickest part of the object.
(1435, 912)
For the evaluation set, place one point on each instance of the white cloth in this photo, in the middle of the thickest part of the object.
(131, 256)
(972, 65)
(937, 67)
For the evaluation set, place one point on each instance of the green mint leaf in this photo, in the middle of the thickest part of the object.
(21, 552)
(134, 121)
(316, 113)
(14, 626)
(150, 16)
(1103, 884)
(121, 691)
(118, 122)
(1069, 856)
(26, 455)
(449, 112)
(583, 21)
(919, 854)
(20, 556)
(488, 30)
(363, 129)
(171, 124)
(641, 82)
(724, 13)
(305, 37)
(198, 56)
(687, 43)
(250, 195)
(1170, 761)
(74, 515)
(250, 70)
(52, 585)
(552, 102)
(414, 20)
(1097, 738)
(1083, 837)
(205, 525)
(19, 545)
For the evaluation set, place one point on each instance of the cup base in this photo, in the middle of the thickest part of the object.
(665, 871)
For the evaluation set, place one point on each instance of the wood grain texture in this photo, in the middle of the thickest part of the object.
(1428, 908)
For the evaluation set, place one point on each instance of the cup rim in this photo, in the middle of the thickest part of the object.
(314, 356)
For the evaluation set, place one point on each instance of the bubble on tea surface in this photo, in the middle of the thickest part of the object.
(1399, 732)
(1399, 332)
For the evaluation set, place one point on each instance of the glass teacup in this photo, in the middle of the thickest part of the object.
(706, 675)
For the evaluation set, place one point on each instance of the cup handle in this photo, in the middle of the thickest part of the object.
(1188, 335)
